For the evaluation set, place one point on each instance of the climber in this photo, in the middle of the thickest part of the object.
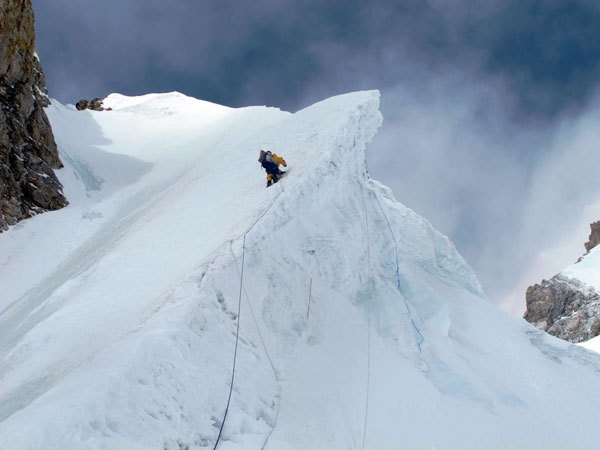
(270, 162)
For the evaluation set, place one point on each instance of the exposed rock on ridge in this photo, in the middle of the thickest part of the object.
(565, 307)
(28, 152)
(594, 238)
(94, 105)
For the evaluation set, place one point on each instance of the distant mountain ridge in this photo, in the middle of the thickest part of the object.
(565, 306)
(28, 152)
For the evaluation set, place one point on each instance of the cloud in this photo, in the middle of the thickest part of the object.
(278, 51)
(488, 106)
(516, 198)
(220, 51)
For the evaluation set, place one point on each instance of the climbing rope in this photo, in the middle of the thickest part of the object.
(237, 338)
(420, 338)
(266, 353)
(237, 333)
(311, 253)
(443, 278)
(364, 203)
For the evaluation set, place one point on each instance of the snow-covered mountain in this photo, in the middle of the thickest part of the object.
(568, 304)
(178, 304)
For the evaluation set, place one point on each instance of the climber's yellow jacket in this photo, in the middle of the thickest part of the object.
(279, 160)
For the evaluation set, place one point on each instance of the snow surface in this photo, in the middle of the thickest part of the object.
(592, 344)
(360, 326)
(586, 269)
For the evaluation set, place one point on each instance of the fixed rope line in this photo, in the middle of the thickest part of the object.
(443, 278)
(311, 253)
(364, 202)
(237, 339)
(266, 353)
(395, 242)
(420, 339)
(237, 333)
(309, 297)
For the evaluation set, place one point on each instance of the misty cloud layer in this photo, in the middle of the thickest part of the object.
(490, 107)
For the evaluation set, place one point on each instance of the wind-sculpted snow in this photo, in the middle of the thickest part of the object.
(360, 326)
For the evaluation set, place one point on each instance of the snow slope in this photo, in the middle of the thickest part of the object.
(359, 325)
(586, 270)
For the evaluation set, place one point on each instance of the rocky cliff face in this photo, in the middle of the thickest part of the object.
(565, 307)
(594, 238)
(28, 153)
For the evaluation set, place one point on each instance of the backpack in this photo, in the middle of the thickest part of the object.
(266, 160)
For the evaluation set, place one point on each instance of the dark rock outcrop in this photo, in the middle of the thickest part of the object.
(94, 105)
(594, 238)
(28, 152)
(565, 308)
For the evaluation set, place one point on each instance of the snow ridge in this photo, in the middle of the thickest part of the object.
(360, 326)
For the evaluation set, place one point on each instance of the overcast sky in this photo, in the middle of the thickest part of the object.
(490, 108)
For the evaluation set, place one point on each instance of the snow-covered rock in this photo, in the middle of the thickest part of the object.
(568, 305)
(350, 322)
